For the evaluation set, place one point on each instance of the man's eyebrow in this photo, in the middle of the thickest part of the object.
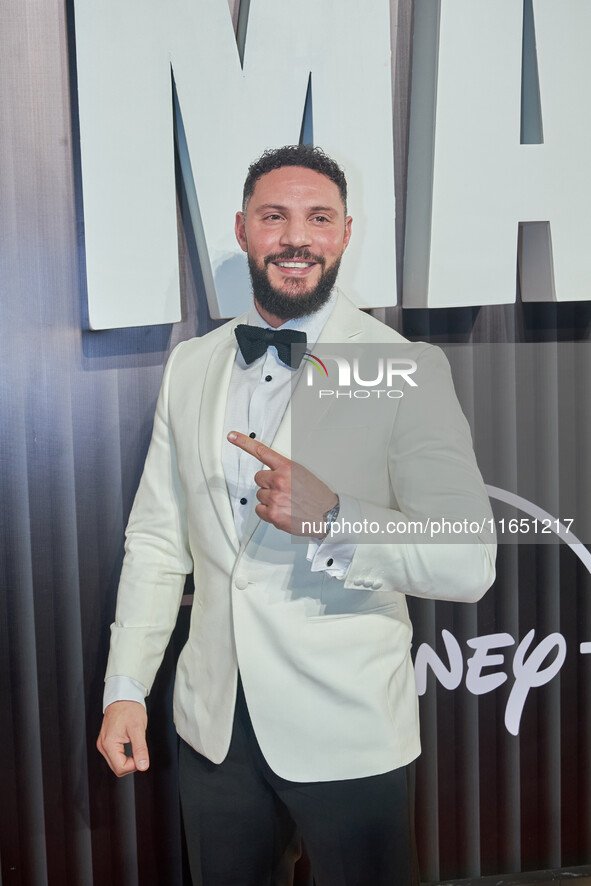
(265, 207)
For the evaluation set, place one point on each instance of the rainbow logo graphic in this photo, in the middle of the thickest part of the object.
(317, 362)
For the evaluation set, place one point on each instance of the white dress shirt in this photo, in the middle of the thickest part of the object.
(258, 396)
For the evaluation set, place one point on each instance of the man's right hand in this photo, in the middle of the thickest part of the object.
(124, 722)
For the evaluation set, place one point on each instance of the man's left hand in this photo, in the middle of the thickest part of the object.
(289, 495)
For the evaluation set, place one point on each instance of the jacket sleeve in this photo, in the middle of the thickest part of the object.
(157, 557)
(436, 485)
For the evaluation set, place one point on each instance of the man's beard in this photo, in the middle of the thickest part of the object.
(289, 307)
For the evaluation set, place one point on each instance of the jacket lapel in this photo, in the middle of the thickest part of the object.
(211, 428)
(342, 327)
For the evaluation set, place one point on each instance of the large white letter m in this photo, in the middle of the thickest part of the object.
(230, 113)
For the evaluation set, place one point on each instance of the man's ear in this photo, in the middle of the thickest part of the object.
(240, 230)
(347, 237)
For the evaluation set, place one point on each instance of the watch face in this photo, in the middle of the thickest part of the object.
(331, 515)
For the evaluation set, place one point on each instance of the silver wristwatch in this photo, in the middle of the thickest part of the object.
(331, 516)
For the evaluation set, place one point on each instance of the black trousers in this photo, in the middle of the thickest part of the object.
(244, 824)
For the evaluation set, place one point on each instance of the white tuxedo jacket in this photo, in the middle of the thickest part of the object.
(325, 663)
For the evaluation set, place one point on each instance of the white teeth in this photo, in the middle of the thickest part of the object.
(294, 264)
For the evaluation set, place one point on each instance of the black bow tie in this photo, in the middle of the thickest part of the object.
(254, 341)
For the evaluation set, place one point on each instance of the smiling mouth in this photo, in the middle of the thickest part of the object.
(296, 261)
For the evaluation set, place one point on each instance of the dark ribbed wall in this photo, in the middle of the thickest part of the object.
(75, 416)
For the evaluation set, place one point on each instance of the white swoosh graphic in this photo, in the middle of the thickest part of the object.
(533, 510)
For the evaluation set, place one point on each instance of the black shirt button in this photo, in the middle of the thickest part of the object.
(252, 434)
(330, 561)
(268, 377)
(243, 501)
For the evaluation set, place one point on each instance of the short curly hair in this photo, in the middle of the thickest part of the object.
(308, 156)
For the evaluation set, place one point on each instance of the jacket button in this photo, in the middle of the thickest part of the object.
(377, 585)
(358, 582)
(241, 582)
(368, 583)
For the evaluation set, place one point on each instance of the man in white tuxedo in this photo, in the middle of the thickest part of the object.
(294, 694)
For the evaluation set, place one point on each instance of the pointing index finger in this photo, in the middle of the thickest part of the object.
(263, 453)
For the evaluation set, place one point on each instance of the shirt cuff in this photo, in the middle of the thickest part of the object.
(334, 553)
(123, 689)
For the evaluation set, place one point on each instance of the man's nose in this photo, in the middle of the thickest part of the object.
(295, 233)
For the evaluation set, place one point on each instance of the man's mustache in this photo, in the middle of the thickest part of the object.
(295, 255)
